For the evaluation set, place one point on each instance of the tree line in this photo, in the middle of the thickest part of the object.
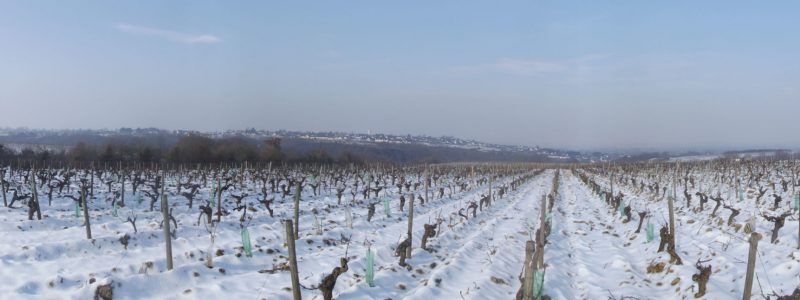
(187, 149)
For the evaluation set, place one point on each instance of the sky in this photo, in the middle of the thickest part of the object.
(567, 74)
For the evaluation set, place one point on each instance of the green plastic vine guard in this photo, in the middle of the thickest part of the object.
(114, 211)
(213, 192)
(650, 232)
(348, 216)
(621, 209)
(77, 210)
(248, 248)
(797, 202)
(370, 268)
(538, 284)
(741, 195)
(386, 207)
(317, 225)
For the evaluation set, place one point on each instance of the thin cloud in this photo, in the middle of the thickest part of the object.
(172, 36)
(515, 66)
(527, 66)
(532, 66)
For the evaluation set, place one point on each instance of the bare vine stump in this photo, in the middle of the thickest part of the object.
(718, 200)
(461, 213)
(668, 243)
(701, 278)
(330, 281)
(402, 251)
(474, 208)
(641, 221)
(664, 240)
(430, 231)
(627, 214)
(778, 224)
(734, 213)
(793, 296)
(370, 211)
(124, 240)
(104, 292)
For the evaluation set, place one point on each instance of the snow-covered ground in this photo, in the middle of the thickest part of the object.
(52, 259)
(591, 253)
(613, 260)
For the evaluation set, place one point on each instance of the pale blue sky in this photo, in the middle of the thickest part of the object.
(581, 75)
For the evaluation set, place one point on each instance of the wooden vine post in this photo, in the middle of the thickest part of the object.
(798, 216)
(751, 265)
(410, 223)
(91, 186)
(86, 210)
(427, 185)
(527, 286)
(671, 207)
(472, 174)
(122, 189)
(3, 187)
(165, 214)
(292, 260)
(612, 185)
(539, 263)
(34, 198)
(297, 210)
(490, 189)
(219, 199)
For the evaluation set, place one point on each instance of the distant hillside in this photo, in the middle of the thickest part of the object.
(372, 147)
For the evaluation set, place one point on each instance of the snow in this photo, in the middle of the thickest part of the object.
(52, 259)
(590, 254)
(617, 258)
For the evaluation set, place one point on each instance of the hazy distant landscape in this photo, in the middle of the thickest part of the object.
(298, 146)
(127, 144)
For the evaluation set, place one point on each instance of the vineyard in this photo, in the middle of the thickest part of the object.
(715, 230)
